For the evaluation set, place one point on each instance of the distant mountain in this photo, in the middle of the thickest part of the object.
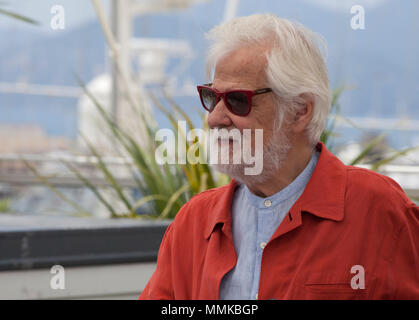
(380, 62)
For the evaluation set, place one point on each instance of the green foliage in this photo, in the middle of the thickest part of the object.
(329, 132)
(5, 205)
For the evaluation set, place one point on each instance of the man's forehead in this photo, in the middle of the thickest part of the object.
(251, 57)
(246, 63)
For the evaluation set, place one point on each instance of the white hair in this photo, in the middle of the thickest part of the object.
(296, 67)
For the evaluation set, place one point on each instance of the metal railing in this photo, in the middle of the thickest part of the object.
(23, 176)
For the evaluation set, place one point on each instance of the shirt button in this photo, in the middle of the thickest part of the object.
(268, 203)
(263, 245)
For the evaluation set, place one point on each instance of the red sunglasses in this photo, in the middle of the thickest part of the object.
(238, 102)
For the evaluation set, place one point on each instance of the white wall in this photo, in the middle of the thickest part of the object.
(120, 281)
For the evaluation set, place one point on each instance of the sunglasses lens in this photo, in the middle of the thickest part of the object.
(239, 103)
(209, 99)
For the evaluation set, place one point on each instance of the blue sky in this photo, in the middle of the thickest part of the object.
(76, 12)
(81, 11)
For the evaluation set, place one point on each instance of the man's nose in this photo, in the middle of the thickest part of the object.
(220, 116)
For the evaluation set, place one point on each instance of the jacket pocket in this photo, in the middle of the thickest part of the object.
(334, 287)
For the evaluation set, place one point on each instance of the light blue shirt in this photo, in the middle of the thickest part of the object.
(254, 220)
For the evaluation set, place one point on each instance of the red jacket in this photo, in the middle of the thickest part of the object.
(353, 234)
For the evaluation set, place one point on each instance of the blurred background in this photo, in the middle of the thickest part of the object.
(84, 85)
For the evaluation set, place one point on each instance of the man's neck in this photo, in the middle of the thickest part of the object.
(296, 161)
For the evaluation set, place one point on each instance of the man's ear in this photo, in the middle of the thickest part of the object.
(303, 116)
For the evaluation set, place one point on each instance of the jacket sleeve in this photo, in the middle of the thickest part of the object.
(405, 260)
(159, 287)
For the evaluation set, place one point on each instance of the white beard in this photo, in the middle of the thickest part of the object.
(273, 155)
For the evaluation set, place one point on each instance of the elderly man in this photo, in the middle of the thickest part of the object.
(307, 226)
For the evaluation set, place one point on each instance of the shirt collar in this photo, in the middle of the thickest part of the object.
(323, 195)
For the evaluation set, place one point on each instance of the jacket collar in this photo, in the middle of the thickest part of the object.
(323, 195)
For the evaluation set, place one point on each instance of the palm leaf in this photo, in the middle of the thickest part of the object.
(151, 197)
(367, 149)
(397, 154)
(173, 199)
(93, 188)
(61, 195)
(18, 16)
(108, 176)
